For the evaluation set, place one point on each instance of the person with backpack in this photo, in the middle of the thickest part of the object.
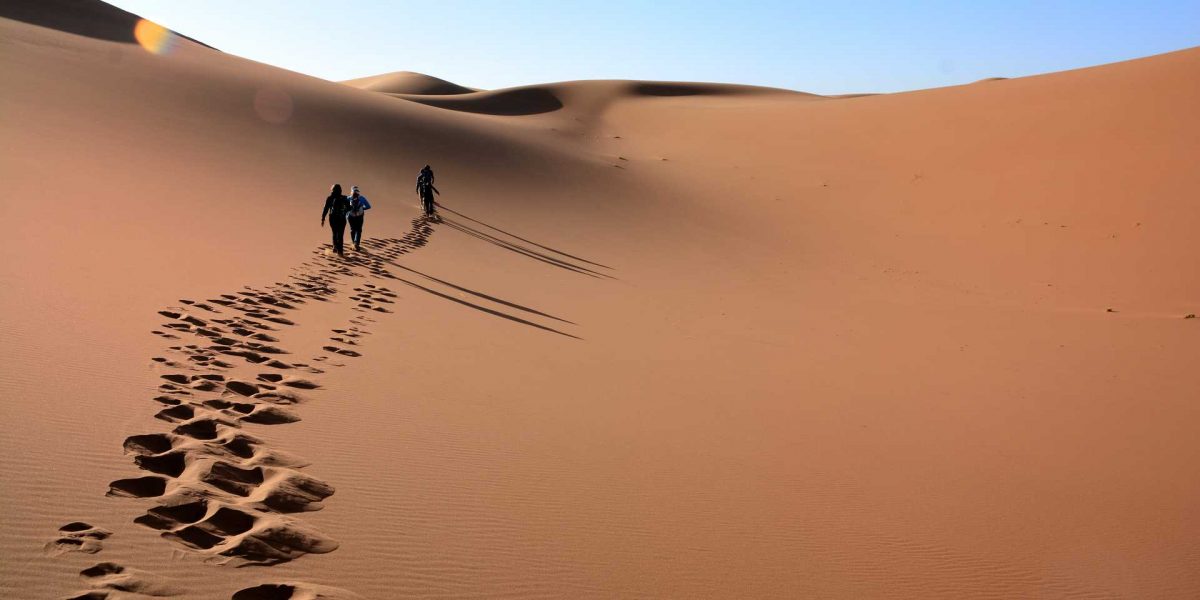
(426, 190)
(358, 207)
(337, 206)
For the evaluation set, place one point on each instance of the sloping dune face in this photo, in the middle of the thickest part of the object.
(407, 82)
(666, 340)
(82, 17)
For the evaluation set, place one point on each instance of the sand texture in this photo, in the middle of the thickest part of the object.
(679, 340)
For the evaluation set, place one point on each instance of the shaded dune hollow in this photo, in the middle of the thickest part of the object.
(512, 102)
(540, 99)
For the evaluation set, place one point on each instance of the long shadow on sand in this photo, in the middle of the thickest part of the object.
(524, 250)
(387, 251)
(517, 237)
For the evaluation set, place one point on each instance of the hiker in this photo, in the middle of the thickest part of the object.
(336, 206)
(426, 190)
(358, 207)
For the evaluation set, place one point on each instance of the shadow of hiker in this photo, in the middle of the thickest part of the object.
(385, 252)
(524, 246)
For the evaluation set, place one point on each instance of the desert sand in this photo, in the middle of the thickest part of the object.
(667, 340)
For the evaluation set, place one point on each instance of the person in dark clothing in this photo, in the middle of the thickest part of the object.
(358, 208)
(336, 206)
(426, 190)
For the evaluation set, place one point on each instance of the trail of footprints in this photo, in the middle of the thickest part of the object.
(218, 490)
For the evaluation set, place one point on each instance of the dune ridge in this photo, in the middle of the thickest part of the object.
(89, 18)
(408, 82)
(581, 98)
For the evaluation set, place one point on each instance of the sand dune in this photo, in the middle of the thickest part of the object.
(407, 82)
(666, 340)
(81, 17)
(584, 99)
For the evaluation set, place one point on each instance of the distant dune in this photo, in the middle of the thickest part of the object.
(667, 340)
(407, 82)
(537, 99)
(582, 98)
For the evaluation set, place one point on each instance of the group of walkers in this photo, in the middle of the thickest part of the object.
(350, 210)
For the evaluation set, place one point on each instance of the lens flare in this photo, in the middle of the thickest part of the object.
(152, 37)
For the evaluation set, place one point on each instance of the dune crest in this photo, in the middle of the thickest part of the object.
(586, 98)
(90, 18)
(408, 82)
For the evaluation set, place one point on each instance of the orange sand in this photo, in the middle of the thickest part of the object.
(675, 340)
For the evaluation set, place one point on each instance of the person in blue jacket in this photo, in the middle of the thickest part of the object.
(358, 208)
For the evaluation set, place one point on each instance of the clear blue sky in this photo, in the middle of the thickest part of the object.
(823, 47)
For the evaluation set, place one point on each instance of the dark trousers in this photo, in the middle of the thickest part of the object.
(339, 231)
(356, 224)
(427, 201)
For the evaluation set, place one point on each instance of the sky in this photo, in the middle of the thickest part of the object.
(824, 47)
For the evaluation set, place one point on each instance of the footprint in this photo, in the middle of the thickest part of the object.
(295, 382)
(247, 536)
(205, 385)
(177, 414)
(264, 348)
(303, 384)
(294, 591)
(201, 429)
(225, 522)
(171, 464)
(138, 487)
(152, 443)
(184, 511)
(241, 446)
(111, 576)
(271, 415)
(283, 397)
(77, 537)
(295, 492)
(236, 409)
(243, 388)
(248, 355)
(233, 479)
(280, 540)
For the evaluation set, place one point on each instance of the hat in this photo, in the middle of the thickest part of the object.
(354, 188)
